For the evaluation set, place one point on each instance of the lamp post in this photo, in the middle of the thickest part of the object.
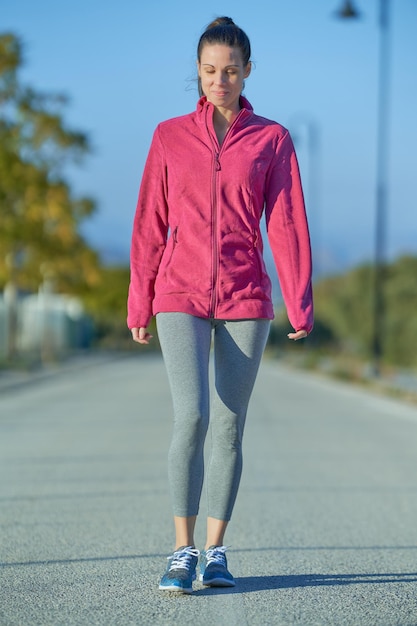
(348, 11)
(314, 163)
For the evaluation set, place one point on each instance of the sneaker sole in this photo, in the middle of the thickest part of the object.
(217, 582)
(176, 589)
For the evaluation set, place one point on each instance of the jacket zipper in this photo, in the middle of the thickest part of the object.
(214, 210)
(215, 260)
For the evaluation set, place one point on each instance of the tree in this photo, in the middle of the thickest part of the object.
(401, 320)
(40, 216)
(344, 305)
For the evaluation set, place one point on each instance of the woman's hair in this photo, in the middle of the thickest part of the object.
(224, 31)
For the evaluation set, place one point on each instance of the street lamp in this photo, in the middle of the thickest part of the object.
(348, 11)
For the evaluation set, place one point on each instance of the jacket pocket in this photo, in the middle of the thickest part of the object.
(257, 255)
(174, 241)
(168, 254)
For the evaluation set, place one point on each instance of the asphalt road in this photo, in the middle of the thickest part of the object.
(324, 530)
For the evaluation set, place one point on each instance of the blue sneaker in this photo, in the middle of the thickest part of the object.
(213, 568)
(180, 571)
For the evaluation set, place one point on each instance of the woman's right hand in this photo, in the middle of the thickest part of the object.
(140, 335)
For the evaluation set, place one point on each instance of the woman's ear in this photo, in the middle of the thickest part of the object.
(198, 69)
(247, 70)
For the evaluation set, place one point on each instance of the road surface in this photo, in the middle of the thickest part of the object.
(324, 531)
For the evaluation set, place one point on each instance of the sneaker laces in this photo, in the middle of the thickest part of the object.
(181, 559)
(216, 555)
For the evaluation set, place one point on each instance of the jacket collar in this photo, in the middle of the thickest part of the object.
(205, 107)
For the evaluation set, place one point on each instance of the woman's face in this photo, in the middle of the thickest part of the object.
(222, 73)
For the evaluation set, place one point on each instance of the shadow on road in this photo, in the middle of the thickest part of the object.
(262, 583)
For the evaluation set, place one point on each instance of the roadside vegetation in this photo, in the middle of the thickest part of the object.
(341, 342)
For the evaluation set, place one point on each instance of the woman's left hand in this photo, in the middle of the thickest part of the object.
(141, 335)
(300, 334)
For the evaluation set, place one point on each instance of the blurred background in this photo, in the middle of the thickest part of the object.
(82, 87)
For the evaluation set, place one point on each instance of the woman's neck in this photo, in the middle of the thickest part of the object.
(222, 120)
(225, 116)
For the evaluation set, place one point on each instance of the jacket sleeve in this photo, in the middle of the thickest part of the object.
(288, 234)
(150, 229)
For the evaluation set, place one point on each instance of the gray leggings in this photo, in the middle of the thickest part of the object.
(238, 347)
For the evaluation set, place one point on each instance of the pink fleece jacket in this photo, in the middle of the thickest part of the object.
(196, 244)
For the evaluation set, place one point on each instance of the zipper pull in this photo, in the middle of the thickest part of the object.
(218, 166)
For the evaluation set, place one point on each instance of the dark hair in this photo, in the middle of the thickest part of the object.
(224, 31)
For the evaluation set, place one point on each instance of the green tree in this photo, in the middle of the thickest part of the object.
(107, 304)
(40, 216)
(344, 305)
(401, 320)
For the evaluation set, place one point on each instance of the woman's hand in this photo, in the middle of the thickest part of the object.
(300, 334)
(141, 335)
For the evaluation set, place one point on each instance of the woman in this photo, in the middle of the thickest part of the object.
(196, 263)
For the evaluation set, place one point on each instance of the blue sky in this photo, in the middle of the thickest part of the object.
(129, 64)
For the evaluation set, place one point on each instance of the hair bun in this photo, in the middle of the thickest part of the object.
(221, 21)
